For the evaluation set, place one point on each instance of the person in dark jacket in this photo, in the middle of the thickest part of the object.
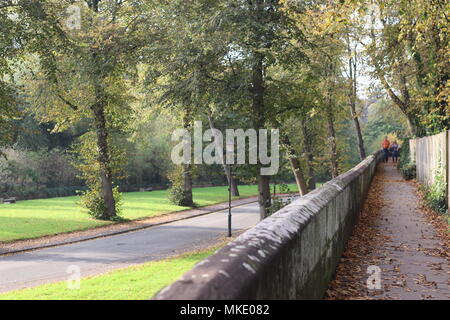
(395, 151)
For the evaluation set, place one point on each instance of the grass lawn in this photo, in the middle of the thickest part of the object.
(36, 218)
(133, 283)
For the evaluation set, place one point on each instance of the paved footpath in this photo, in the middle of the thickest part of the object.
(100, 255)
(394, 235)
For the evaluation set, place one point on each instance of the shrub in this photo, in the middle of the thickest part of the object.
(93, 201)
(91, 169)
(277, 202)
(408, 171)
(435, 195)
(406, 167)
(178, 196)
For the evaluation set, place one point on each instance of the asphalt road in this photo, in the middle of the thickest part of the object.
(97, 256)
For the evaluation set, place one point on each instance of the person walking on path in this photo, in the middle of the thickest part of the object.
(394, 149)
(385, 145)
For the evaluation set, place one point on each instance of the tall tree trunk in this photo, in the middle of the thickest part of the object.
(295, 166)
(187, 185)
(104, 161)
(334, 166)
(298, 174)
(264, 194)
(187, 168)
(234, 187)
(352, 64)
(307, 143)
(333, 145)
(362, 150)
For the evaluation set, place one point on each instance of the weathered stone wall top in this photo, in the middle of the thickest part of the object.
(290, 255)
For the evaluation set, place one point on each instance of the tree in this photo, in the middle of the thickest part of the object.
(84, 70)
(409, 54)
(11, 48)
(352, 74)
(220, 55)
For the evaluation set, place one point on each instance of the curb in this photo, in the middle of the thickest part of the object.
(128, 230)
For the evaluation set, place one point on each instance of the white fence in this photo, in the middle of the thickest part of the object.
(431, 156)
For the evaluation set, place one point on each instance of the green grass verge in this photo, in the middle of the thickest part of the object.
(139, 282)
(36, 218)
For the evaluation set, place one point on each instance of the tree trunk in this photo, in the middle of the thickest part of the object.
(352, 96)
(296, 167)
(258, 108)
(104, 161)
(299, 177)
(187, 185)
(234, 187)
(332, 141)
(307, 143)
(264, 195)
(332, 144)
(264, 198)
(362, 151)
(187, 168)
(334, 166)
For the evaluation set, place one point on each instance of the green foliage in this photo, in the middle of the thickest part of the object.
(37, 174)
(383, 119)
(93, 200)
(405, 165)
(277, 201)
(89, 168)
(410, 56)
(408, 171)
(177, 194)
(435, 195)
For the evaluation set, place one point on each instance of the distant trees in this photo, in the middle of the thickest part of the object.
(32, 174)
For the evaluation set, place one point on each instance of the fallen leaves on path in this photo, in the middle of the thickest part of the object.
(347, 283)
(381, 239)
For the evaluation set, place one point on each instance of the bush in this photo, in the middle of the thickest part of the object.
(29, 193)
(178, 196)
(93, 201)
(277, 202)
(435, 195)
(406, 167)
(408, 171)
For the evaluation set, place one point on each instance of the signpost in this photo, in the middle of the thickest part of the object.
(229, 201)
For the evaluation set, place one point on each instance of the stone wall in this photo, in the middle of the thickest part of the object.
(291, 255)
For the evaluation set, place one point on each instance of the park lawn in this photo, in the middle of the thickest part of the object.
(36, 218)
(139, 282)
